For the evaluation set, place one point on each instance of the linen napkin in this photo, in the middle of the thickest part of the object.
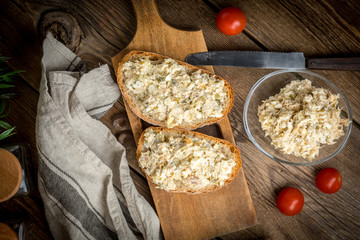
(84, 178)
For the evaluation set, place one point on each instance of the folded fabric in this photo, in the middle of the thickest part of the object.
(84, 177)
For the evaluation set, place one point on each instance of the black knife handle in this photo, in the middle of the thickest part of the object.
(352, 63)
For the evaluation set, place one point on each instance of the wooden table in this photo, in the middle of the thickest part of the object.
(97, 30)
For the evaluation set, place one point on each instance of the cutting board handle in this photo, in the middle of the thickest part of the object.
(146, 13)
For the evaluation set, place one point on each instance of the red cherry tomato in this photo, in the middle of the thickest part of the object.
(329, 180)
(231, 21)
(290, 201)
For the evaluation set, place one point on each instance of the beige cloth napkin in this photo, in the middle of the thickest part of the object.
(84, 177)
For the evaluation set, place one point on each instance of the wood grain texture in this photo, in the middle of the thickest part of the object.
(267, 177)
(325, 28)
(316, 28)
(11, 175)
(185, 216)
(7, 233)
(312, 27)
(26, 209)
(350, 64)
(258, 167)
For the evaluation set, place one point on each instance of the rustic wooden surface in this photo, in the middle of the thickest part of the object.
(186, 216)
(97, 30)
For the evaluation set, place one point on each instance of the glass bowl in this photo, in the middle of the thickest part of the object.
(270, 85)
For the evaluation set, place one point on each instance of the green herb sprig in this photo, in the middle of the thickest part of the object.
(6, 85)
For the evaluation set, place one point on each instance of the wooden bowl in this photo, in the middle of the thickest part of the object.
(11, 175)
(6, 233)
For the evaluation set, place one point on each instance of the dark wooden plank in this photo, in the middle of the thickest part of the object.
(261, 21)
(19, 41)
(267, 177)
(324, 216)
(319, 28)
(104, 31)
(202, 15)
(28, 209)
(183, 215)
(23, 115)
(316, 27)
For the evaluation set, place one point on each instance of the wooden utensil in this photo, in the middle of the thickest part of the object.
(185, 216)
(10, 174)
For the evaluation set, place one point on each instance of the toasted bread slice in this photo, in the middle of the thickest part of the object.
(185, 161)
(170, 93)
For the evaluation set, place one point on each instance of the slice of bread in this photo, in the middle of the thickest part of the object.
(170, 93)
(185, 161)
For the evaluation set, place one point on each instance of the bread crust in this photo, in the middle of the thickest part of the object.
(231, 146)
(155, 56)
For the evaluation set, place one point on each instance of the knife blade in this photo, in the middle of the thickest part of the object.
(272, 60)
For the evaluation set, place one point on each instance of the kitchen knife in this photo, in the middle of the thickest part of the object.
(275, 60)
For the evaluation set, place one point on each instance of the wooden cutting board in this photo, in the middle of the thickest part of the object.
(185, 216)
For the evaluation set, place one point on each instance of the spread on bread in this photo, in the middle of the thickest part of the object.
(187, 161)
(169, 93)
(302, 117)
